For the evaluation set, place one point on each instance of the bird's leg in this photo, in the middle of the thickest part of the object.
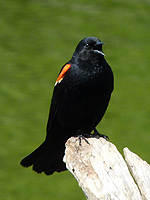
(96, 134)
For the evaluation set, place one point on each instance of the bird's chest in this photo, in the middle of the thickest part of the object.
(87, 82)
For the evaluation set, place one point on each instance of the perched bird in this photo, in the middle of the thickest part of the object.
(80, 98)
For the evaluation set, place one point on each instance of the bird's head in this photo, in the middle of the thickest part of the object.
(89, 48)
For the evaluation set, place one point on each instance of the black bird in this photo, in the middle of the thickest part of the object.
(80, 98)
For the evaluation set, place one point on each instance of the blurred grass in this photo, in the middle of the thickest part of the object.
(36, 39)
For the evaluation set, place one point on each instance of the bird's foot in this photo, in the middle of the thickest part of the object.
(96, 134)
(82, 137)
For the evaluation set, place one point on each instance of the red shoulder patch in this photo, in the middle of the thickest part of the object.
(62, 73)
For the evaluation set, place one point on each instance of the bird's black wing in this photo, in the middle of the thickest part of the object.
(57, 97)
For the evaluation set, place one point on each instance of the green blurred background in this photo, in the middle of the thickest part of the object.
(36, 39)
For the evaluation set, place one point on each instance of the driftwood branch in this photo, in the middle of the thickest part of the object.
(102, 173)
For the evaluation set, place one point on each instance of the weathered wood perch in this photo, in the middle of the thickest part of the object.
(103, 174)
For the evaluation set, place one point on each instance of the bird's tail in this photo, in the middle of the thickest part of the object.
(46, 158)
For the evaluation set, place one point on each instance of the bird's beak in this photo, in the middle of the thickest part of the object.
(98, 48)
(100, 43)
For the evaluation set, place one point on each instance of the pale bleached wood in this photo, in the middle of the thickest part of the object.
(100, 170)
(140, 170)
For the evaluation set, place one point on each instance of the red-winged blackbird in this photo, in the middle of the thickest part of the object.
(81, 95)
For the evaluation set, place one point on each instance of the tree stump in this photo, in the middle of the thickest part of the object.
(103, 174)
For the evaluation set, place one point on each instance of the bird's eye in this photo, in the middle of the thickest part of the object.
(87, 45)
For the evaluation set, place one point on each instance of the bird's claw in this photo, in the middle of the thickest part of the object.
(82, 137)
(96, 134)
